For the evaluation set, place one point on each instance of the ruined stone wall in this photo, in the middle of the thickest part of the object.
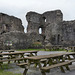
(68, 33)
(10, 30)
(53, 18)
(19, 40)
(55, 30)
(48, 22)
(12, 34)
(33, 22)
(10, 23)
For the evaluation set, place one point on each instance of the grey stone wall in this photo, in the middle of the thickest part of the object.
(52, 20)
(55, 30)
(19, 40)
(10, 31)
(10, 23)
(48, 22)
(33, 22)
(68, 32)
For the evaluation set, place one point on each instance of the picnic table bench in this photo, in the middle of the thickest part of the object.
(37, 61)
(7, 51)
(19, 53)
(52, 61)
(13, 56)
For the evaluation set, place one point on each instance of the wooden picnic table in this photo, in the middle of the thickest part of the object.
(7, 51)
(43, 56)
(68, 55)
(20, 53)
(14, 55)
(58, 58)
(37, 60)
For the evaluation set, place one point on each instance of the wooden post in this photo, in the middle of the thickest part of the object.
(25, 72)
(62, 69)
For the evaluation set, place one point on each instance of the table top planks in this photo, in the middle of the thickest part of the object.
(49, 56)
(18, 52)
(43, 56)
(7, 51)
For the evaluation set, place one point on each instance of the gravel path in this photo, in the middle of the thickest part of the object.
(33, 71)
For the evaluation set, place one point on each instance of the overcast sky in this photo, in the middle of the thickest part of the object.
(19, 8)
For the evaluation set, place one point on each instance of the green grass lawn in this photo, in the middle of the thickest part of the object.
(41, 50)
(4, 72)
(8, 73)
(31, 49)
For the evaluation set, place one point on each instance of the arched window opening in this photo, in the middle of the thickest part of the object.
(44, 19)
(40, 30)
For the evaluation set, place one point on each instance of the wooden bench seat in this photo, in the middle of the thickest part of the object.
(7, 51)
(72, 60)
(4, 57)
(22, 65)
(47, 68)
(43, 60)
(12, 59)
(8, 60)
(27, 55)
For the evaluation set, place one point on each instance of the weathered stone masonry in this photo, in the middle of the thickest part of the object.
(54, 30)
(12, 34)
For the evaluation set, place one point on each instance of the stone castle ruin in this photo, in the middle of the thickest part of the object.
(54, 30)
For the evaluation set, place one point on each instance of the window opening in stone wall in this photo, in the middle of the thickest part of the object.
(44, 19)
(58, 38)
(40, 30)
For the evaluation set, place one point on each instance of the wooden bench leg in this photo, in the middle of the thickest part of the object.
(18, 61)
(35, 54)
(8, 61)
(44, 64)
(35, 65)
(15, 61)
(67, 67)
(25, 72)
(1, 66)
(43, 72)
(62, 69)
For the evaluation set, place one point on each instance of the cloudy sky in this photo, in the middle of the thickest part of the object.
(19, 8)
